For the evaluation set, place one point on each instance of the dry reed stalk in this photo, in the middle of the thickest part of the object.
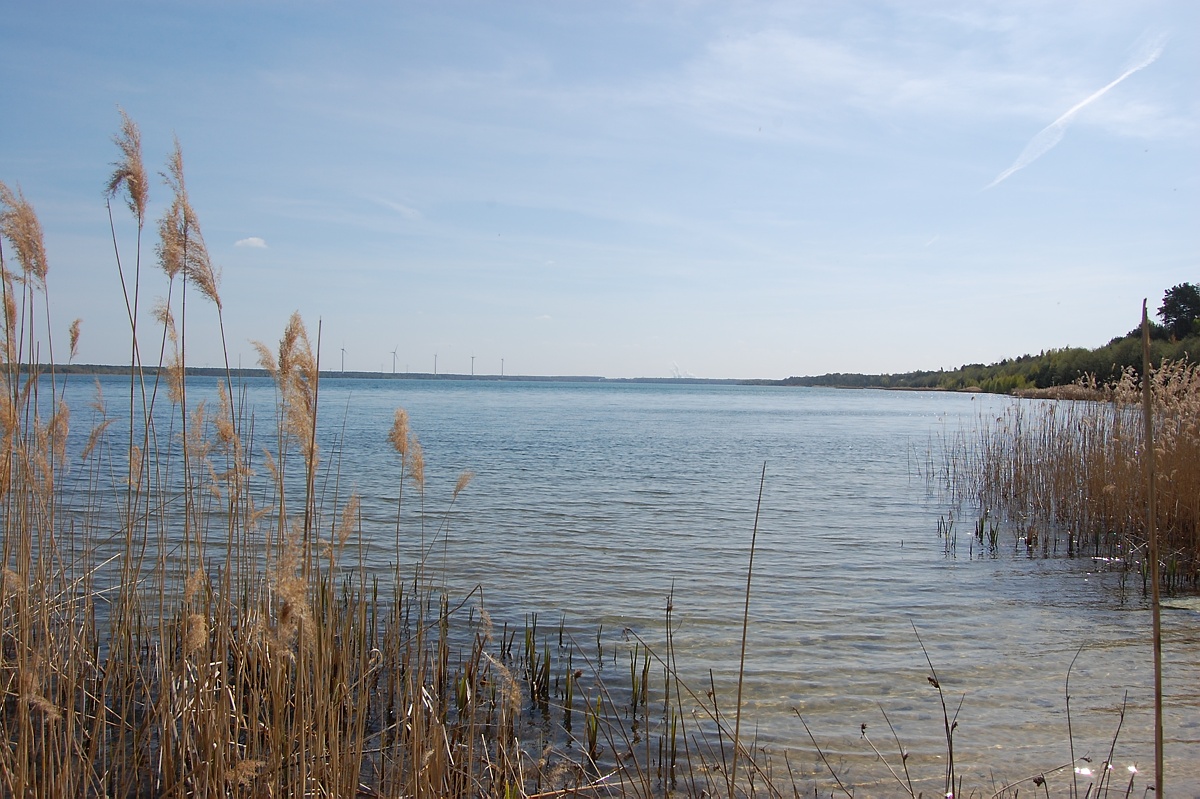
(1150, 459)
(1075, 470)
(737, 725)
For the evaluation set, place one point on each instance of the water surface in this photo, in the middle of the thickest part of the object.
(595, 501)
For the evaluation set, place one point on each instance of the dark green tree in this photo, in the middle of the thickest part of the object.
(1180, 308)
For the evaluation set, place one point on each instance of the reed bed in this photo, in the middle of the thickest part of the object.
(1070, 476)
(185, 609)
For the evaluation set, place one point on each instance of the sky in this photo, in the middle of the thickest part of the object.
(623, 189)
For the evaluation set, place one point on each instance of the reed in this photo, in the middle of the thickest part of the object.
(185, 611)
(1069, 476)
(189, 617)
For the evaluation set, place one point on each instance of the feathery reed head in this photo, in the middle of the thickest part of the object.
(196, 581)
(31, 690)
(136, 460)
(411, 456)
(223, 419)
(416, 462)
(246, 772)
(164, 316)
(11, 337)
(170, 244)
(349, 519)
(296, 357)
(181, 247)
(295, 374)
(11, 583)
(9, 416)
(205, 277)
(74, 333)
(20, 225)
(175, 376)
(266, 358)
(94, 439)
(464, 480)
(57, 429)
(291, 592)
(399, 432)
(129, 173)
(195, 633)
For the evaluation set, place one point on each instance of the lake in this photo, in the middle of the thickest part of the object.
(594, 502)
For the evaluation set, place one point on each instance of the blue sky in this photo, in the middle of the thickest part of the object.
(625, 188)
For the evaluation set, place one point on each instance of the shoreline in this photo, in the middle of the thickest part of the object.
(333, 374)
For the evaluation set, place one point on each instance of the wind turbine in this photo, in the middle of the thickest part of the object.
(343, 359)
(394, 359)
(472, 366)
(435, 363)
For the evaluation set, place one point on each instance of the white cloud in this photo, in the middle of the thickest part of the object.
(253, 242)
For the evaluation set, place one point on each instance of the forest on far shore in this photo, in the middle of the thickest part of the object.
(1176, 338)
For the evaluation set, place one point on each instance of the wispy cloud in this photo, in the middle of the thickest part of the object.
(405, 211)
(1053, 133)
(254, 242)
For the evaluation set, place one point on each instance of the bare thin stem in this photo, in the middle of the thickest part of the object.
(737, 724)
(1152, 536)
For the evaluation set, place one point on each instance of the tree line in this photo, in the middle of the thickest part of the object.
(1176, 337)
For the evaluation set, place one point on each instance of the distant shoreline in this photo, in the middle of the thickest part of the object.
(335, 374)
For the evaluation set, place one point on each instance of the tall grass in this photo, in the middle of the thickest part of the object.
(182, 608)
(1071, 476)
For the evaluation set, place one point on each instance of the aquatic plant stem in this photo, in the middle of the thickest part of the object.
(950, 723)
(737, 724)
(310, 465)
(821, 754)
(1152, 538)
(1070, 732)
(907, 784)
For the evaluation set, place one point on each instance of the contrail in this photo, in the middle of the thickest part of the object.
(1052, 134)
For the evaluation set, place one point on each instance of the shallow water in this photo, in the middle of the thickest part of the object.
(594, 502)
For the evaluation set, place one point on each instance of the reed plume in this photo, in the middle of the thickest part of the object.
(129, 174)
(12, 338)
(398, 435)
(181, 248)
(19, 224)
(297, 377)
(416, 463)
(74, 332)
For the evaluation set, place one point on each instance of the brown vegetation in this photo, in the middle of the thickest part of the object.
(1074, 471)
(190, 618)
